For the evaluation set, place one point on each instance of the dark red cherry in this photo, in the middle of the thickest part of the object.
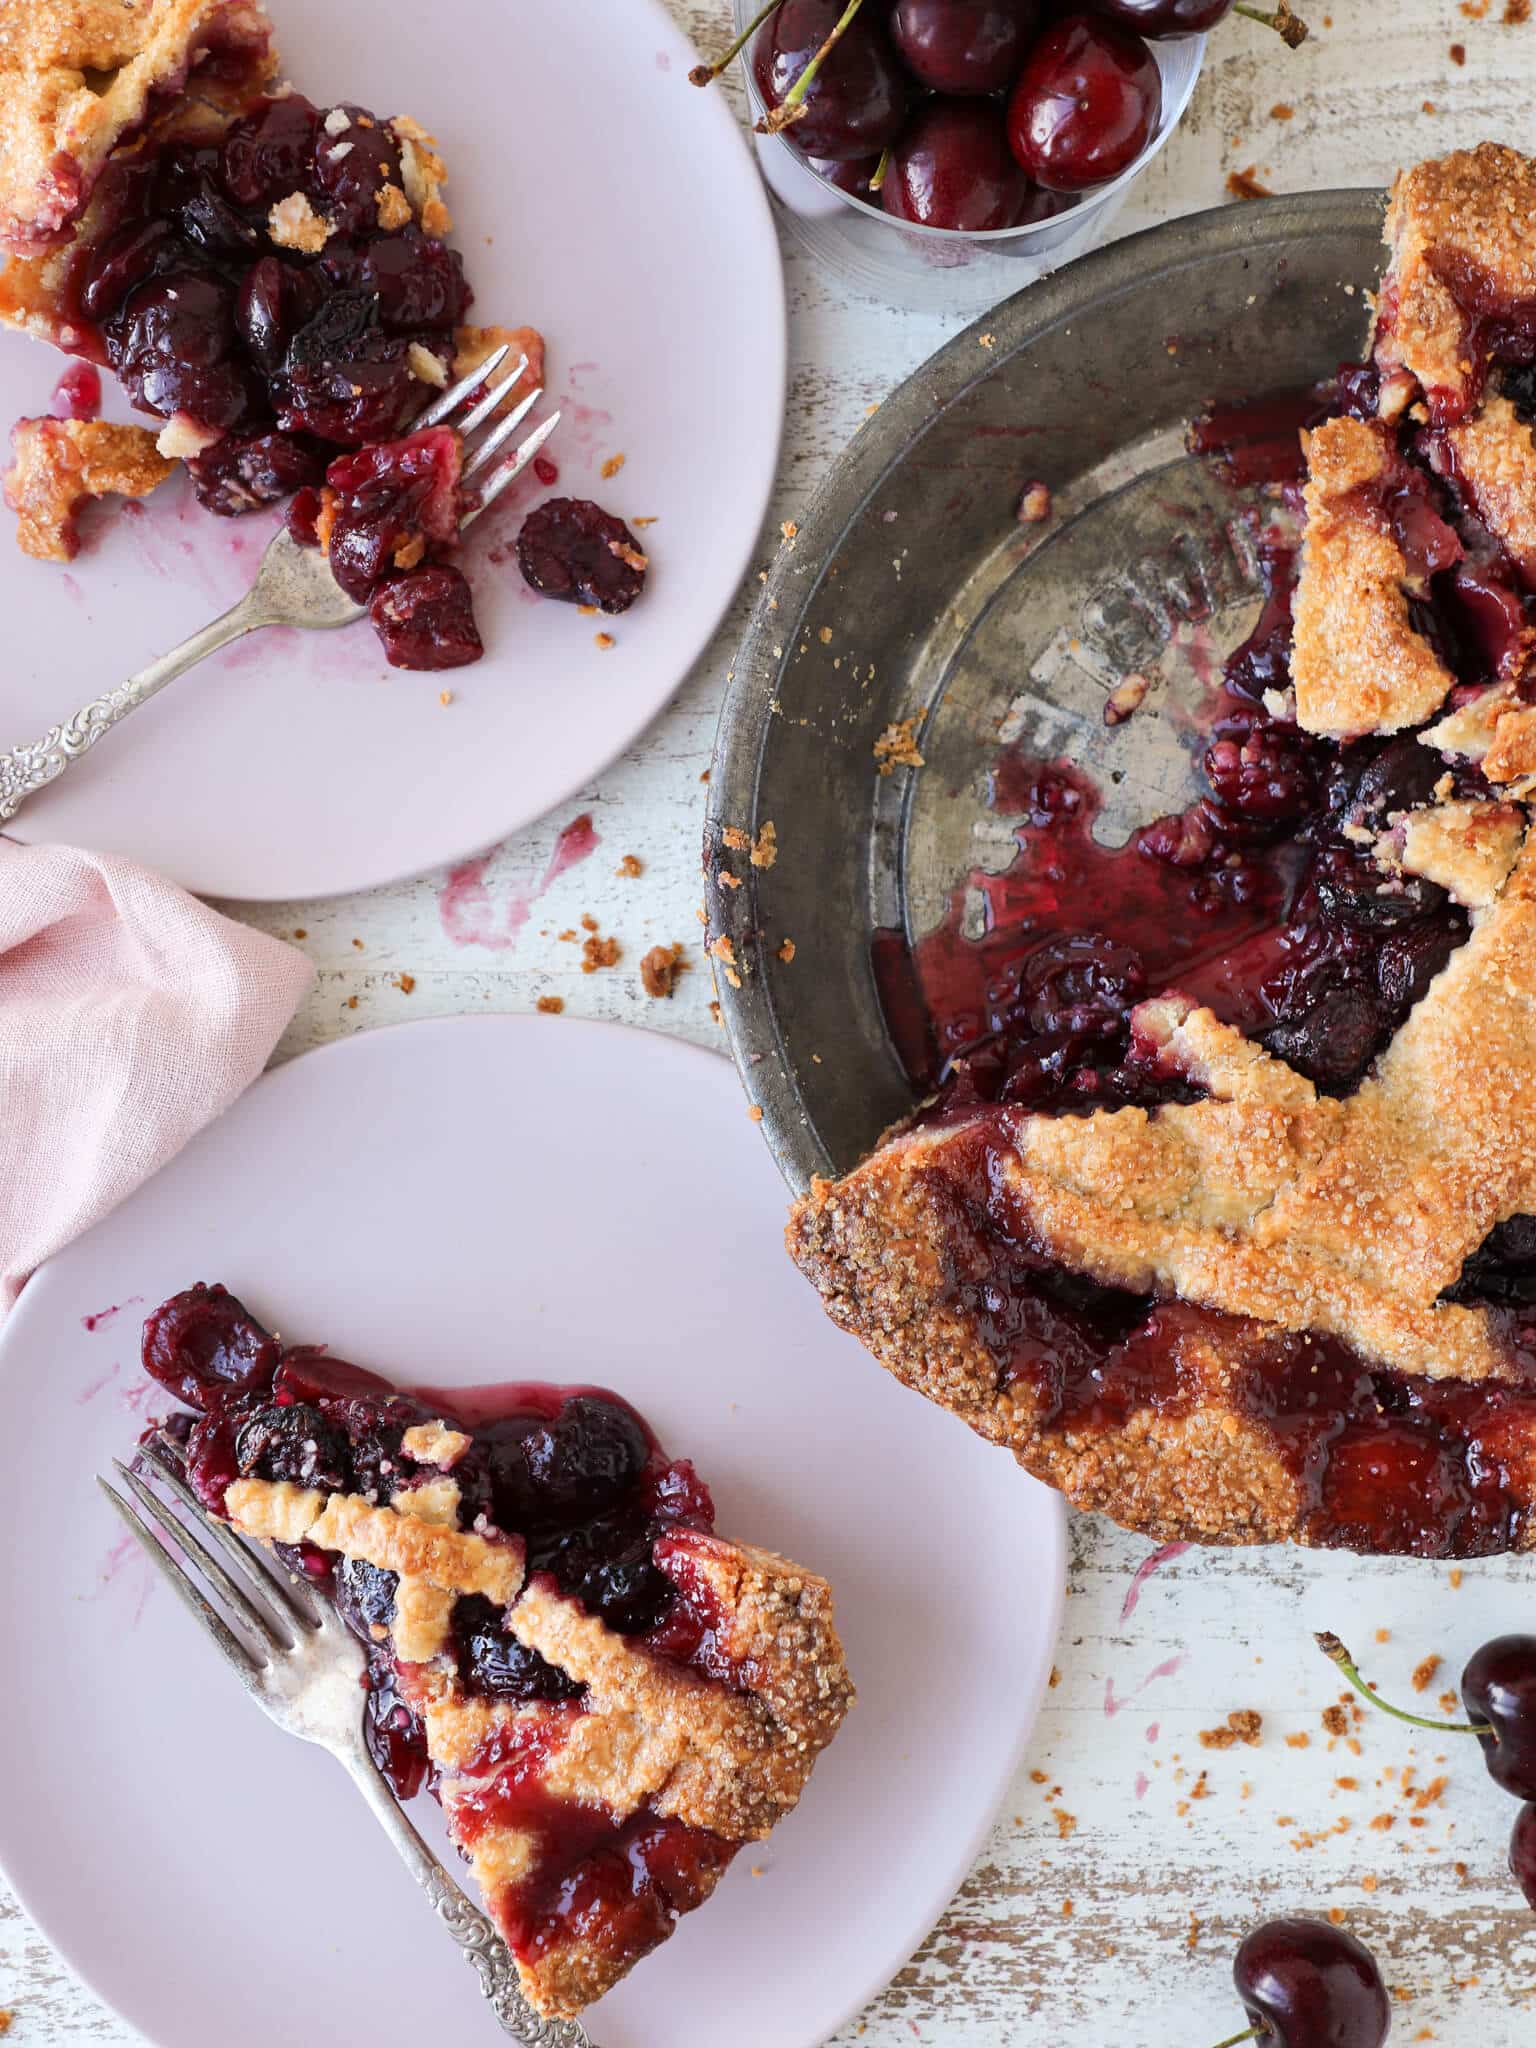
(242, 472)
(426, 620)
(1498, 1687)
(951, 167)
(572, 549)
(585, 1460)
(342, 377)
(203, 1342)
(172, 344)
(388, 498)
(275, 300)
(1260, 772)
(963, 46)
(1311, 1985)
(1086, 104)
(1158, 18)
(1522, 1852)
(351, 170)
(419, 282)
(850, 176)
(855, 104)
(271, 152)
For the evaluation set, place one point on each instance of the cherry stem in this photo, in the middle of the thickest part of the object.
(1248, 2034)
(1336, 1653)
(877, 177)
(792, 106)
(1288, 26)
(706, 74)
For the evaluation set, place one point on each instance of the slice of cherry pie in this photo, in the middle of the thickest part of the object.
(1225, 1221)
(607, 1698)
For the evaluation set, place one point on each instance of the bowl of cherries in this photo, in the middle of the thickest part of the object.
(942, 153)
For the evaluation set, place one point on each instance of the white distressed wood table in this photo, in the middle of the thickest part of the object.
(1129, 1857)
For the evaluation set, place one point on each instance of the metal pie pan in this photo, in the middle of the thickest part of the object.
(913, 592)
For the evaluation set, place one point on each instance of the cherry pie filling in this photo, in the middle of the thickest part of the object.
(581, 1479)
(1262, 901)
(280, 355)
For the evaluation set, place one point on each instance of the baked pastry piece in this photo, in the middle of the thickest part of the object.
(1359, 663)
(1223, 1216)
(58, 465)
(1460, 290)
(607, 1698)
(79, 77)
(269, 279)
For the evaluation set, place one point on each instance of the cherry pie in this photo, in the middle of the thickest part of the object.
(268, 278)
(1224, 1222)
(607, 1698)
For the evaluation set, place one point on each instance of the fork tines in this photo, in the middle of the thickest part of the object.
(443, 408)
(275, 1613)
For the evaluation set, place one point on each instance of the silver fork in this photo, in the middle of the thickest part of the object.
(298, 1660)
(294, 587)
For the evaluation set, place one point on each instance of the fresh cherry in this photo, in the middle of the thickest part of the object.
(963, 46)
(1086, 104)
(857, 97)
(1498, 1689)
(850, 176)
(1522, 1852)
(952, 168)
(1158, 18)
(1307, 1984)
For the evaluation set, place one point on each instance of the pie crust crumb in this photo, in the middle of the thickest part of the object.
(60, 464)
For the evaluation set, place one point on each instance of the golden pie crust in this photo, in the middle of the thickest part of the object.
(77, 77)
(649, 1737)
(58, 466)
(1475, 208)
(1357, 662)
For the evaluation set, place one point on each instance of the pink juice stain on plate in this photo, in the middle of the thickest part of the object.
(103, 1316)
(469, 913)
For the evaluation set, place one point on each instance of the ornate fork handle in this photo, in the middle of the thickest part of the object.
(484, 1950)
(27, 769)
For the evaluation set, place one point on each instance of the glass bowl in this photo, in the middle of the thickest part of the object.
(940, 270)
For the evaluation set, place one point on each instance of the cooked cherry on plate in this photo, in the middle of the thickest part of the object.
(607, 1698)
(1219, 1210)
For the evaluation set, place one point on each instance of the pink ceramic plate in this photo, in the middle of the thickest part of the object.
(540, 1200)
(598, 196)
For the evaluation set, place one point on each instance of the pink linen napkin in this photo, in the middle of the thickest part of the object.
(130, 1015)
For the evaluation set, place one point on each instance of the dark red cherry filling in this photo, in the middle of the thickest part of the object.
(281, 353)
(1384, 1462)
(624, 1881)
(575, 1474)
(242, 472)
(389, 503)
